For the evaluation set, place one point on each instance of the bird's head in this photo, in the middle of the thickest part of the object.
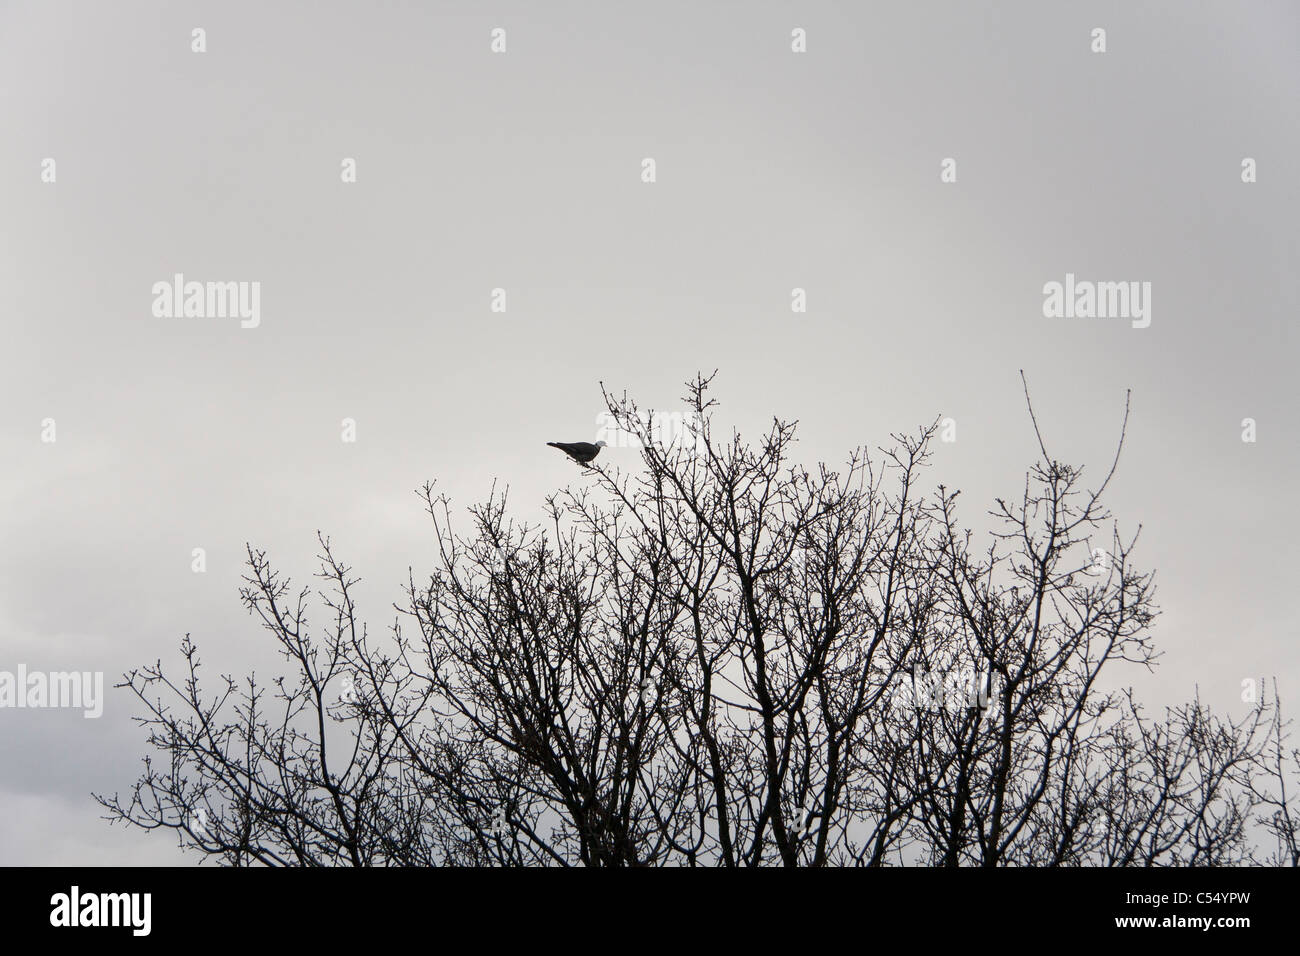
(600, 444)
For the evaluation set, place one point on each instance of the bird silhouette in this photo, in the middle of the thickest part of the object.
(582, 452)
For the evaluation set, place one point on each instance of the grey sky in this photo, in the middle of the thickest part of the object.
(521, 170)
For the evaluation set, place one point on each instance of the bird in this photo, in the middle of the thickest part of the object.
(582, 452)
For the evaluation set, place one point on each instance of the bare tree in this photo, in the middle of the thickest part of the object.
(722, 658)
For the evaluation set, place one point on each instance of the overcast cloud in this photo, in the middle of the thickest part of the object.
(522, 171)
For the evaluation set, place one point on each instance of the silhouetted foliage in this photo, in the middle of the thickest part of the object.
(722, 658)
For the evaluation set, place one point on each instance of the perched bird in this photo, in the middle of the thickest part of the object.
(579, 451)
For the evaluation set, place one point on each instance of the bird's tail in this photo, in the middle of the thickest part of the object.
(553, 444)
